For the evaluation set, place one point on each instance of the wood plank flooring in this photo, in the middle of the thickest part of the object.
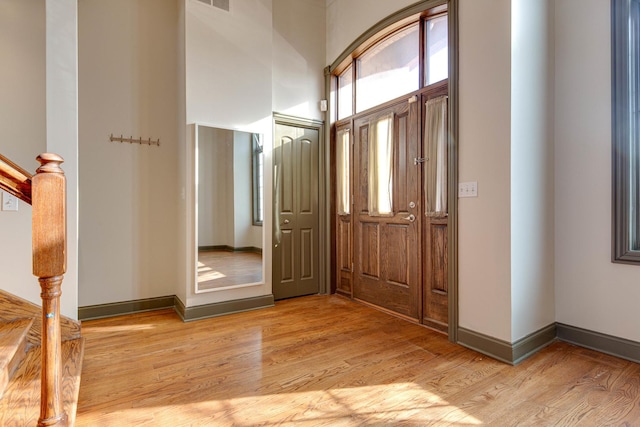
(219, 269)
(327, 361)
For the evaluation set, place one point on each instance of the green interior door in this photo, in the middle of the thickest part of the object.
(296, 238)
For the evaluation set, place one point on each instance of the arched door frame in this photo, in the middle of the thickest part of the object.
(385, 24)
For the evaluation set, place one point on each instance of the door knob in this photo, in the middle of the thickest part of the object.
(410, 218)
(286, 221)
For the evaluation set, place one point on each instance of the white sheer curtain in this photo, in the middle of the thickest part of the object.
(380, 177)
(435, 149)
(343, 161)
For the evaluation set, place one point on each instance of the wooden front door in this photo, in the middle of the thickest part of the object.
(386, 243)
(296, 220)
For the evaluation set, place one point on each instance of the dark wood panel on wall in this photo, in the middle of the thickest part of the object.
(396, 256)
(344, 255)
(369, 255)
(435, 285)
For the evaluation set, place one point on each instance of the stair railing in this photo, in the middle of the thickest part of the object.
(46, 192)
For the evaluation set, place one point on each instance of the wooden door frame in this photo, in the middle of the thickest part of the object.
(324, 285)
(452, 237)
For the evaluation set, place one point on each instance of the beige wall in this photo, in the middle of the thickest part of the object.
(591, 291)
(298, 57)
(532, 177)
(215, 186)
(129, 194)
(23, 124)
(484, 223)
(38, 113)
(349, 19)
(62, 125)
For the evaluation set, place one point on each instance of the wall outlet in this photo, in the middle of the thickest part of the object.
(468, 189)
(9, 202)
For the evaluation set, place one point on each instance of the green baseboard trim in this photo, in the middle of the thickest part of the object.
(186, 313)
(226, 248)
(492, 347)
(533, 343)
(125, 307)
(221, 308)
(608, 344)
(511, 353)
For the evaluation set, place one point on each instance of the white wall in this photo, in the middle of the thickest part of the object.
(23, 124)
(299, 29)
(349, 19)
(484, 242)
(225, 215)
(186, 227)
(129, 194)
(229, 64)
(229, 59)
(591, 291)
(215, 186)
(532, 208)
(62, 126)
(38, 113)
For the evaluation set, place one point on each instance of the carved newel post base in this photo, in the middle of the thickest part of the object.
(51, 410)
(49, 244)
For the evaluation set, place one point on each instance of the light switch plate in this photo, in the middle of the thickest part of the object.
(468, 189)
(9, 202)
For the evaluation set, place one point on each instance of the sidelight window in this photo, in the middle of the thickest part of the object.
(435, 149)
(343, 188)
(626, 130)
(345, 93)
(437, 50)
(380, 179)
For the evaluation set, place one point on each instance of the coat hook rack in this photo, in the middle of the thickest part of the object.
(132, 140)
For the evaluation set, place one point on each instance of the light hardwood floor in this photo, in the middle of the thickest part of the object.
(327, 361)
(219, 269)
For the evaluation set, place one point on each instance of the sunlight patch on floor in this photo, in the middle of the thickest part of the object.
(125, 328)
(383, 404)
(213, 275)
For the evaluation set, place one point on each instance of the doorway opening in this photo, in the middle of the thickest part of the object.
(297, 249)
(394, 166)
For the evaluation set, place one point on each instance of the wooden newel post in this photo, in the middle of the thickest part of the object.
(49, 265)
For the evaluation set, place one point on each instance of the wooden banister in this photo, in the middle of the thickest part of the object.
(49, 233)
(46, 192)
(15, 180)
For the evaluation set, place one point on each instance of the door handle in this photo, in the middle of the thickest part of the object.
(410, 218)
